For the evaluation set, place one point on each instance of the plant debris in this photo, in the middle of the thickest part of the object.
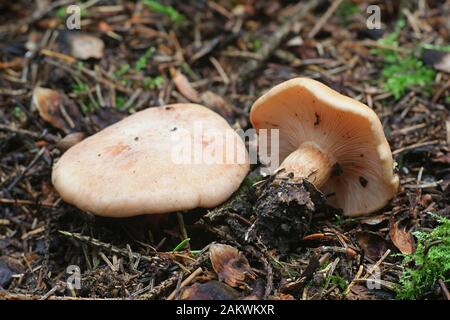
(230, 265)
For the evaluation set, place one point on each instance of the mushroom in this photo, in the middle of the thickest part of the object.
(133, 167)
(331, 140)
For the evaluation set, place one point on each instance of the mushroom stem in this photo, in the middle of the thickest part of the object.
(309, 162)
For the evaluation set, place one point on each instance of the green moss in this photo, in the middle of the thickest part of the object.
(121, 71)
(142, 61)
(445, 48)
(346, 9)
(153, 82)
(120, 102)
(340, 281)
(406, 73)
(81, 87)
(169, 11)
(18, 114)
(62, 11)
(401, 71)
(428, 264)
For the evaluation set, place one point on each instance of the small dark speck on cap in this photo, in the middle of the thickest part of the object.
(363, 181)
(99, 155)
(136, 138)
(168, 108)
(317, 122)
(174, 129)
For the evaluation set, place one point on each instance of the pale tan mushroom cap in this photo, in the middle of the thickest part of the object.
(350, 132)
(128, 168)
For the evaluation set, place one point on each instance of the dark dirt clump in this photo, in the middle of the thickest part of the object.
(285, 210)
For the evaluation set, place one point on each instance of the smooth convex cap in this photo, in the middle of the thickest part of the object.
(345, 131)
(159, 160)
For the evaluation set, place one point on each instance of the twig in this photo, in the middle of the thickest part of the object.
(28, 167)
(122, 252)
(324, 18)
(414, 146)
(31, 134)
(26, 202)
(187, 281)
(352, 283)
(444, 289)
(273, 42)
(183, 231)
(377, 264)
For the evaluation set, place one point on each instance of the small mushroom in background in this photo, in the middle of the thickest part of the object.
(439, 60)
(131, 168)
(331, 140)
(70, 140)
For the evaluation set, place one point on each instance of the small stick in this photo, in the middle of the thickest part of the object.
(275, 39)
(28, 167)
(26, 202)
(323, 19)
(444, 289)
(415, 145)
(376, 265)
(352, 283)
(182, 228)
(185, 282)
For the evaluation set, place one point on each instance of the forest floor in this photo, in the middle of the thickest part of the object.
(224, 55)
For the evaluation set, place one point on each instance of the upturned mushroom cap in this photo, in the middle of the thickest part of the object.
(130, 168)
(347, 131)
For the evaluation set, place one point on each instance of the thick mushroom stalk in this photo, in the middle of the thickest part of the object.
(310, 162)
(327, 142)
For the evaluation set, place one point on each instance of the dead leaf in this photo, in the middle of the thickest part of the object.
(231, 266)
(184, 86)
(281, 296)
(85, 46)
(373, 245)
(211, 290)
(56, 108)
(217, 103)
(401, 237)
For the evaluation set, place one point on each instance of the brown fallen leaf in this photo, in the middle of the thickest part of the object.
(231, 266)
(56, 108)
(373, 245)
(217, 103)
(211, 290)
(184, 86)
(401, 237)
(281, 296)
